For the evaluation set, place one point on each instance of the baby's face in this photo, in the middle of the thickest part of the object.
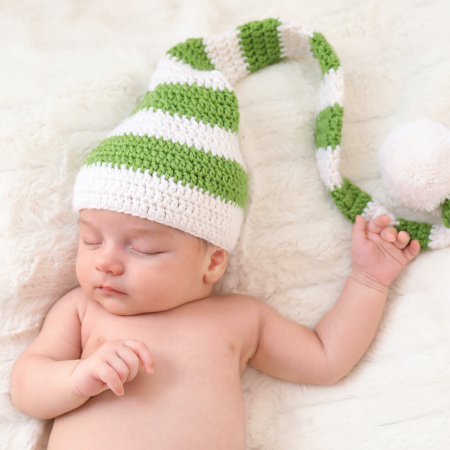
(132, 265)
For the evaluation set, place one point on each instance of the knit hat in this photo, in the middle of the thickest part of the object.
(176, 160)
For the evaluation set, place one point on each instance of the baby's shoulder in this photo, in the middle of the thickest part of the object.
(238, 300)
(76, 299)
(244, 316)
(238, 305)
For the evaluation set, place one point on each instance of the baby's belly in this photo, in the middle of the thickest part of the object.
(183, 410)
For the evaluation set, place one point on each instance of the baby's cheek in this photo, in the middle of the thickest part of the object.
(82, 270)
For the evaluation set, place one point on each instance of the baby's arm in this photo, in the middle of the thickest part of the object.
(292, 352)
(40, 378)
(50, 379)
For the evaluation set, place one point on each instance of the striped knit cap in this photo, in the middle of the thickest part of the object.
(176, 160)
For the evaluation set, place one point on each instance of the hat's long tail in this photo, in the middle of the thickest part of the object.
(252, 46)
(257, 44)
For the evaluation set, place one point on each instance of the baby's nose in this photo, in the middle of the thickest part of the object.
(108, 260)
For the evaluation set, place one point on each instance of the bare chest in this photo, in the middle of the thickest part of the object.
(201, 337)
(194, 395)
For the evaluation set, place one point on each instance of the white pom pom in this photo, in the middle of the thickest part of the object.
(415, 164)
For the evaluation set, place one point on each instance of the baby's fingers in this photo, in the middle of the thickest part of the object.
(402, 240)
(120, 366)
(389, 234)
(131, 360)
(412, 250)
(378, 224)
(143, 353)
(109, 376)
(359, 232)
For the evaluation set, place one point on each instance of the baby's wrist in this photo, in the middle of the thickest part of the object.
(73, 385)
(366, 280)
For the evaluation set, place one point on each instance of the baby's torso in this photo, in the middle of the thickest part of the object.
(194, 397)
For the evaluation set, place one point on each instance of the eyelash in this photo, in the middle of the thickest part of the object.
(148, 254)
(88, 243)
(142, 253)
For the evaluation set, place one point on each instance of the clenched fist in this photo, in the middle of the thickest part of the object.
(112, 365)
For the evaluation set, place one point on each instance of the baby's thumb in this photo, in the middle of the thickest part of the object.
(359, 231)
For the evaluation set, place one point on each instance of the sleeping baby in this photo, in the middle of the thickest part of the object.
(142, 355)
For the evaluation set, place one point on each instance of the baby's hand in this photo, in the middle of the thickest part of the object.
(378, 251)
(112, 365)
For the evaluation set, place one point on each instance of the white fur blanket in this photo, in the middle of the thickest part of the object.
(72, 70)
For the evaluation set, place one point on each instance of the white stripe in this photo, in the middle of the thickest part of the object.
(225, 53)
(295, 38)
(183, 131)
(328, 164)
(375, 209)
(169, 70)
(155, 198)
(331, 90)
(440, 236)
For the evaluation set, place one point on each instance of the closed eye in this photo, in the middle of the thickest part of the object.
(145, 253)
(89, 243)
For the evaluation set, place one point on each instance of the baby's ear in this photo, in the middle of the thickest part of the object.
(218, 261)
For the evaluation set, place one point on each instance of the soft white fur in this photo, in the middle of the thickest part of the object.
(414, 163)
(71, 71)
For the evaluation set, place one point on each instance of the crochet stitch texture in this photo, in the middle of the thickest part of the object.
(176, 159)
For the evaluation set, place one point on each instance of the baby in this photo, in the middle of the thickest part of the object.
(144, 316)
(142, 355)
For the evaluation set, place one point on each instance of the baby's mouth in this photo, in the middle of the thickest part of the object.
(109, 290)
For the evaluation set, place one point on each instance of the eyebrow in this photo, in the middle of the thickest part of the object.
(160, 232)
(84, 221)
(136, 231)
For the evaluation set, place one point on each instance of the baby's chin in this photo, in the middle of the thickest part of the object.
(129, 307)
(115, 306)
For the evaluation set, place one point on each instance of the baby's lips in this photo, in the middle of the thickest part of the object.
(106, 288)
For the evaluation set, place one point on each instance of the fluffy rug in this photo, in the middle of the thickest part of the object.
(72, 70)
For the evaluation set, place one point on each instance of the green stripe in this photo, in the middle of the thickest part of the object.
(446, 212)
(416, 230)
(192, 52)
(204, 104)
(260, 43)
(350, 199)
(324, 52)
(329, 126)
(215, 174)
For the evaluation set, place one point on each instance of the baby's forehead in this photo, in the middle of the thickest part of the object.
(99, 218)
(127, 224)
